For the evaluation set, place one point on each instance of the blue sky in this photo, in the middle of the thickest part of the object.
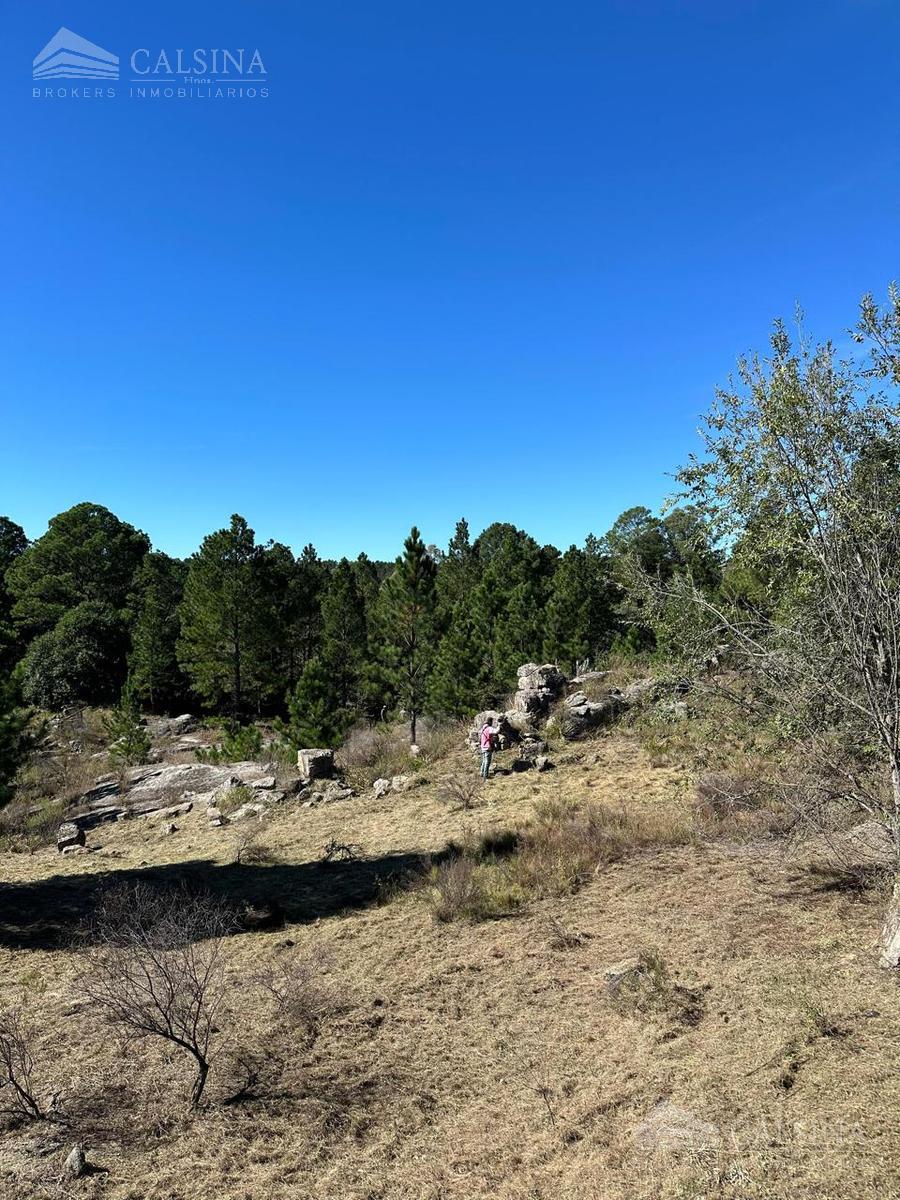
(481, 259)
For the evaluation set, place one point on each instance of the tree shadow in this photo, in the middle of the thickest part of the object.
(55, 912)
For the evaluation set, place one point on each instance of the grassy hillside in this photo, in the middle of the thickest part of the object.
(755, 1055)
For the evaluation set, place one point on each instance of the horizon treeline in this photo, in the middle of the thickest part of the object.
(248, 630)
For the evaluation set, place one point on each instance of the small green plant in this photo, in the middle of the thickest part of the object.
(240, 743)
(233, 799)
(129, 740)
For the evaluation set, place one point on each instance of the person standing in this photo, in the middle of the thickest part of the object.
(489, 741)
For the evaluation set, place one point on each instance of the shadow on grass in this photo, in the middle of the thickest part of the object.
(55, 912)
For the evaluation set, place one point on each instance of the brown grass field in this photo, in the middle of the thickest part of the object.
(465, 1060)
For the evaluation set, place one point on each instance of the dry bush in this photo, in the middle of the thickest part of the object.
(564, 847)
(18, 1087)
(249, 848)
(376, 752)
(561, 937)
(28, 826)
(157, 971)
(234, 798)
(461, 791)
(464, 889)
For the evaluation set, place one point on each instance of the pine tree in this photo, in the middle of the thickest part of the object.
(17, 736)
(314, 717)
(580, 621)
(407, 619)
(458, 572)
(129, 741)
(13, 543)
(344, 641)
(155, 676)
(461, 676)
(223, 633)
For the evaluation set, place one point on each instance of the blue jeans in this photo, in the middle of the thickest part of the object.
(486, 756)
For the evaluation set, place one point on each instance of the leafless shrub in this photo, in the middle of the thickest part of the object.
(335, 851)
(461, 791)
(249, 849)
(157, 970)
(18, 1088)
(26, 827)
(301, 1002)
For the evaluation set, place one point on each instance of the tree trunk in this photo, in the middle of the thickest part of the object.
(412, 728)
(890, 931)
(200, 1081)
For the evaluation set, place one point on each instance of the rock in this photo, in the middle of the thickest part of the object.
(508, 734)
(75, 850)
(315, 764)
(640, 690)
(381, 787)
(253, 808)
(579, 719)
(401, 783)
(169, 828)
(69, 835)
(627, 972)
(215, 817)
(76, 1163)
(414, 751)
(543, 763)
(669, 1127)
(538, 687)
(263, 783)
(177, 810)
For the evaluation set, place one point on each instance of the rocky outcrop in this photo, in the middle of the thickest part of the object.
(538, 688)
(581, 715)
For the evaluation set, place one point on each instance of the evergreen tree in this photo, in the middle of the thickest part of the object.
(13, 543)
(155, 676)
(129, 741)
(314, 717)
(87, 554)
(461, 676)
(458, 572)
(222, 641)
(344, 641)
(407, 619)
(17, 736)
(579, 621)
(82, 660)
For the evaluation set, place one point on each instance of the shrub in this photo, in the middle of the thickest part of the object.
(26, 826)
(240, 743)
(18, 1088)
(461, 791)
(465, 889)
(156, 970)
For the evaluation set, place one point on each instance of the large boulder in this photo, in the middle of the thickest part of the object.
(69, 835)
(580, 715)
(315, 764)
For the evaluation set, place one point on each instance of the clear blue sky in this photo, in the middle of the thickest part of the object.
(484, 259)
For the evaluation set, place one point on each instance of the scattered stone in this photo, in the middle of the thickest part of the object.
(253, 808)
(75, 850)
(264, 783)
(169, 828)
(543, 763)
(315, 764)
(69, 836)
(76, 1163)
(381, 787)
(414, 751)
(215, 817)
(401, 783)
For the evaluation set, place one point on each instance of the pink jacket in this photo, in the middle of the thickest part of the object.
(487, 734)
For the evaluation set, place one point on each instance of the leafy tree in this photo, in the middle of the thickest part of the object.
(17, 735)
(129, 740)
(13, 543)
(82, 660)
(805, 453)
(221, 647)
(156, 678)
(407, 613)
(87, 554)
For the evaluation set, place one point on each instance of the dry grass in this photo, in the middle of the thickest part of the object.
(463, 1060)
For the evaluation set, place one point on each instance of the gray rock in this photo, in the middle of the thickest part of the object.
(169, 828)
(538, 687)
(381, 787)
(178, 810)
(627, 972)
(75, 850)
(69, 835)
(543, 763)
(76, 1163)
(315, 764)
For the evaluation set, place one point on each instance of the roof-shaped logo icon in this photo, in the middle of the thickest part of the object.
(68, 56)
